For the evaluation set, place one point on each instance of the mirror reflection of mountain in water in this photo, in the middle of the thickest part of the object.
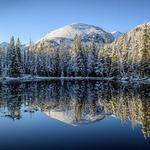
(78, 102)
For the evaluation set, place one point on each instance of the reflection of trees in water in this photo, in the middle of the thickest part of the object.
(131, 103)
(82, 101)
(11, 100)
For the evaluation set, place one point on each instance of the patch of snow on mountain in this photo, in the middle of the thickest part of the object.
(4, 45)
(86, 32)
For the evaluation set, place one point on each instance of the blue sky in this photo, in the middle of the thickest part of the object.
(32, 19)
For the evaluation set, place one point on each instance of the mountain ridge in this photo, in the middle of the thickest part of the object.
(86, 32)
(67, 33)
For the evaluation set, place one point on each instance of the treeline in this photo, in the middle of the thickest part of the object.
(125, 58)
(129, 56)
(11, 60)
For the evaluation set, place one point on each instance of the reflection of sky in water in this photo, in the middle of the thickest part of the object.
(65, 119)
(40, 130)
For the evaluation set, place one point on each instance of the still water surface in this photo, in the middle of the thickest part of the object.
(74, 115)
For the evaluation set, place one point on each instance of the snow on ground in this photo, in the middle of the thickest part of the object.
(29, 78)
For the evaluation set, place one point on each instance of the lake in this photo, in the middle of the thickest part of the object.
(74, 115)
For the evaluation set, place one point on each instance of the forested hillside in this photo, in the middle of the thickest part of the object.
(129, 56)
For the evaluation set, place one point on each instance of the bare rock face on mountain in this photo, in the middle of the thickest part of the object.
(87, 33)
(116, 34)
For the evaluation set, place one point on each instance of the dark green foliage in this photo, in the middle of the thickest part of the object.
(14, 58)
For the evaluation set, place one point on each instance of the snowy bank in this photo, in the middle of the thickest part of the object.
(30, 78)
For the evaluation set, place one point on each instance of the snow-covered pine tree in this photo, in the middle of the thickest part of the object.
(56, 63)
(145, 53)
(13, 60)
(64, 60)
(1, 61)
(105, 60)
(19, 56)
(92, 60)
(79, 66)
(31, 64)
(99, 68)
(49, 61)
(41, 60)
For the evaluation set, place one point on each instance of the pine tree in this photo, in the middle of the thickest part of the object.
(1, 61)
(79, 58)
(31, 60)
(13, 64)
(57, 70)
(19, 56)
(41, 60)
(145, 53)
(92, 60)
(99, 68)
(64, 60)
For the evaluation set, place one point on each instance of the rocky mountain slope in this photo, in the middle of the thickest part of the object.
(4, 45)
(86, 32)
(116, 34)
(67, 33)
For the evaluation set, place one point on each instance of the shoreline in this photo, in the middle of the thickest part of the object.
(37, 78)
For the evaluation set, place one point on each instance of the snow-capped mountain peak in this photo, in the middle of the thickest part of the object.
(69, 31)
(85, 31)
